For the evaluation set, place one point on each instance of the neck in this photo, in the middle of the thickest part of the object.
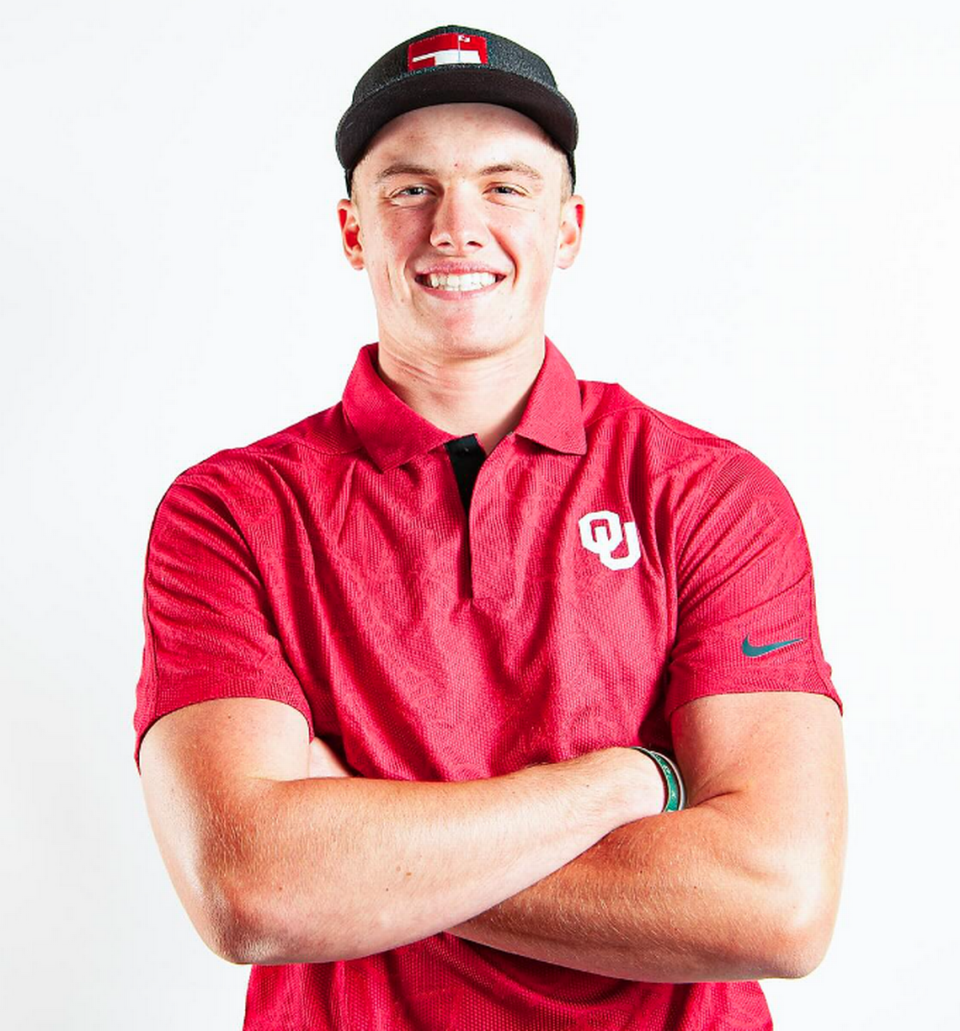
(481, 394)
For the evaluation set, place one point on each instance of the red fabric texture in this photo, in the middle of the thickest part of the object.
(331, 566)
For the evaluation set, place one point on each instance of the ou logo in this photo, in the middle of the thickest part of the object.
(605, 537)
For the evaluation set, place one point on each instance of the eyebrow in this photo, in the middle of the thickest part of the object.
(401, 168)
(513, 166)
(404, 168)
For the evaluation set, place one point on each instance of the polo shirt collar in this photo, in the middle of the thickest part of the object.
(554, 413)
(393, 433)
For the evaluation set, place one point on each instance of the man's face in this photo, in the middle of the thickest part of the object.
(469, 191)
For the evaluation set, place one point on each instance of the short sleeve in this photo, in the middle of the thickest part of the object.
(746, 611)
(208, 628)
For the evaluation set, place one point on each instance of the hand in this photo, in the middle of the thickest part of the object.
(324, 761)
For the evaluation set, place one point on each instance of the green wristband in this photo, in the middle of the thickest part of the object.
(676, 793)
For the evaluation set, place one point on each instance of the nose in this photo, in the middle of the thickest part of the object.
(458, 224)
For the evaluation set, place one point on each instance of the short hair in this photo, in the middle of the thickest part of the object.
(566, 184)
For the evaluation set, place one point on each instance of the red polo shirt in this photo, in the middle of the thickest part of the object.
(438, 614)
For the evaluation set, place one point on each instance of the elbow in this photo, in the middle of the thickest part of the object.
(223, 923)
(226, 915)
(239, 930)
(800, 929)
(271, 932)
(242, 943)
(796, 896)
(796, 953)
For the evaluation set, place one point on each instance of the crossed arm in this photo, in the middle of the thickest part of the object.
(743, 884)
(279, 856)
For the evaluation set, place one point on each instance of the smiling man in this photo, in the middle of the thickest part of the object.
(460, 213)
(488, 697)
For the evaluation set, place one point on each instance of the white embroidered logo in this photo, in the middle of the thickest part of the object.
(604, 538)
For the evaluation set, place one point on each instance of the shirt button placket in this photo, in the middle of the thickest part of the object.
(489, 545)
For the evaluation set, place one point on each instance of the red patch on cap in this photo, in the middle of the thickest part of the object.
(448, 48)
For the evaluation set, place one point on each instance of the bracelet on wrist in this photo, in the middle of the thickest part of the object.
(676, 792)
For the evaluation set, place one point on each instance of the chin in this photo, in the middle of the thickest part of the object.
(475, 340)
(464, 346)
(468, 343)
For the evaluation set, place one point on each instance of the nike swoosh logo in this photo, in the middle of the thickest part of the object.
(752, 651)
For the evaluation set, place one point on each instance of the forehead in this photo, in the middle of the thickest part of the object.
(467, 134)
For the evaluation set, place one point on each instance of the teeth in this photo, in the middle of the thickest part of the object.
(468, 281)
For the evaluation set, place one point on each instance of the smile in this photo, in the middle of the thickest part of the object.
(458, 283)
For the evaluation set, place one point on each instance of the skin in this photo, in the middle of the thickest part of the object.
(743, 884)
(280, 855)
(465, 361)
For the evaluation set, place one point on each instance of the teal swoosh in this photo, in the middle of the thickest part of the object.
(752, 651)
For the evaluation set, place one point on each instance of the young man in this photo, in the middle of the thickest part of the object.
(457, 637)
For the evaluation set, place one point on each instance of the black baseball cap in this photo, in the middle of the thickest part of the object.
(448, 65)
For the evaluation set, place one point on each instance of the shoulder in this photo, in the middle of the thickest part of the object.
(609, 407)
(668, 448)
(312, 441)
(323, 434)
(246, 481)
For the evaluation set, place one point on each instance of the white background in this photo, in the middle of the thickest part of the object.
(772, 252)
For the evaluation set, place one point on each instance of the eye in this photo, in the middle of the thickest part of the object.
(412, 191)
(505, 190)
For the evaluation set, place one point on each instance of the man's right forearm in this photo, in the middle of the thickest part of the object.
(335, 868)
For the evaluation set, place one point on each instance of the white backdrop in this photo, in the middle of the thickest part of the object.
(772, 252)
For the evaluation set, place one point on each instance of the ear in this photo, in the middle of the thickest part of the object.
(350, 232)
(570, 233)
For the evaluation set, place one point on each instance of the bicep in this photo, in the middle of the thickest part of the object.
(201, 768)
(789, 742)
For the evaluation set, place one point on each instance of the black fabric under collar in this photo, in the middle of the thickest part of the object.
(466, 457)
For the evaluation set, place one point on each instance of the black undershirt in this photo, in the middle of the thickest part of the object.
(466, 457)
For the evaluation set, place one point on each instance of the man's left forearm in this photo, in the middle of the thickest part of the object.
(671, 898)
